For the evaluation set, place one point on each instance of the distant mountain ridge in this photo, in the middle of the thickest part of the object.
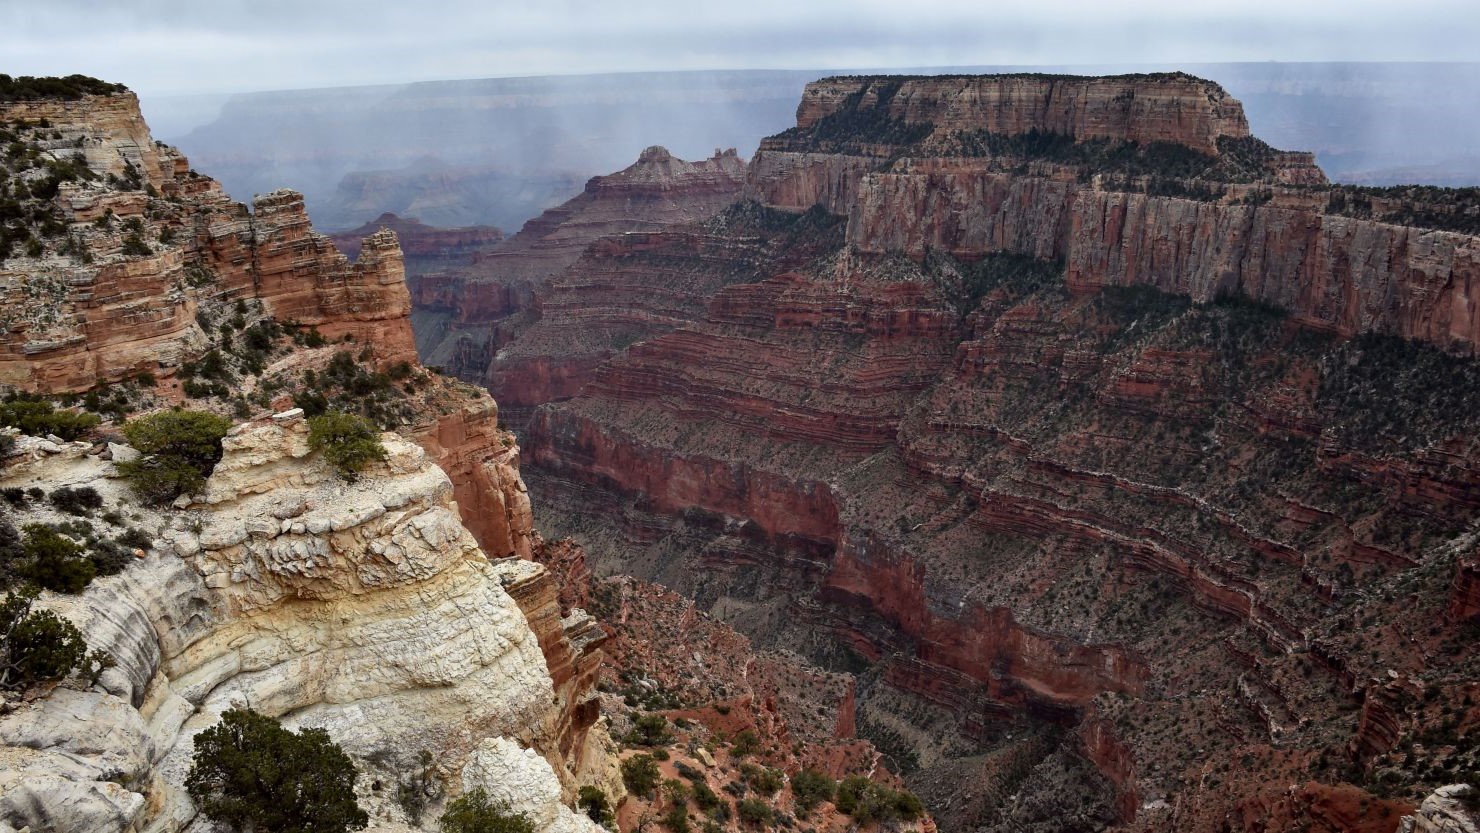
(500, 151)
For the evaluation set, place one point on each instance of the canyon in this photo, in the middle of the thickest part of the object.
(1128, 465)
(1048, 445)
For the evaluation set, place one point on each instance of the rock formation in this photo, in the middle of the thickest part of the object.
(1442, 812)
(425, 248)
(464, 315)
(118, 294)
(364, 606)
(427, 650)
(1119, 450)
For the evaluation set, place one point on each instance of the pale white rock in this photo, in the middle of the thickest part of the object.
(120, 453)
(1443, 811)
(525, 783)
(364, 608)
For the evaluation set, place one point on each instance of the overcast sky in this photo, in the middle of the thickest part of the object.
(169, 46)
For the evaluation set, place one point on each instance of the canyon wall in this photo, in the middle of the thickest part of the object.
(467, 314)
(1068, 465)
(144, 257)
(1171, 107)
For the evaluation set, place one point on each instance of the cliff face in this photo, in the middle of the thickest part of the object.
(1115, 478)
(467, 313)
(118, 292)
(1147, 108)
(1335, 273)
(427, 650)
(367, 608)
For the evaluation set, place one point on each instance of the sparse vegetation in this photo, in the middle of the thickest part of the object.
(593, 802)
(82, 500)
(54, 561)
(810, 788)
(254, 776)
(178, 451)
(349, 442)
(475, 812)
(649, 730)
(868, 801)
(38, 417)
(415, 791)
(66, 88)
(641, 775)
(36, 645)
(754, 812)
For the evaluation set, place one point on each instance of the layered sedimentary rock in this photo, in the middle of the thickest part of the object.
(1128, 474)
(1147, 108)
(425, 248)
(1444, 811)
(467, 313)
(362, 606)
(118, 296)
(232, 608)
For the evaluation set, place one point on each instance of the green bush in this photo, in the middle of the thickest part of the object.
(676, 818)
(649, 730)
(36, 645)
(746, 743)
(134, 246)
(763, 780)
(753, 811)
(76, 501)
(54, 561)
(38, 418)
(475, 812)
(349, 442)
(706, 798)
(641, 775)
(867, 801)
(593, 802)
(415, 792)
(251, 774)
(178, 451)
(811, 788)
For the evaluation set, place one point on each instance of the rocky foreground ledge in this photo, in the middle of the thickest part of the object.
(364, 608)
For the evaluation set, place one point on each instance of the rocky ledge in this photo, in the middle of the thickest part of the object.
(364, 608)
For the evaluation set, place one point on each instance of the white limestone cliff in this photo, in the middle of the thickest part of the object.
(364, 608)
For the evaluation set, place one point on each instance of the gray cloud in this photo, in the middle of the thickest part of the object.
(167, 46)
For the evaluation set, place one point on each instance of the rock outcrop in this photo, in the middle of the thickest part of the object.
(118, 294)
(366, 609)
(1444, 811)
(425, 248)
(1171, 107)
(465, 314)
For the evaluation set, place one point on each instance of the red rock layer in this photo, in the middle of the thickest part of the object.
(1336, 273)
(1186, 531)
(1138, 108)
(484, 302)
(572, 649)
(121, 314)
(1464, 594)
(425, 247)
(483, 463)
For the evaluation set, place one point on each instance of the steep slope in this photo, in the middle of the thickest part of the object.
(363, 606)
(464, 315)
(1131, 467)
(125, 242)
